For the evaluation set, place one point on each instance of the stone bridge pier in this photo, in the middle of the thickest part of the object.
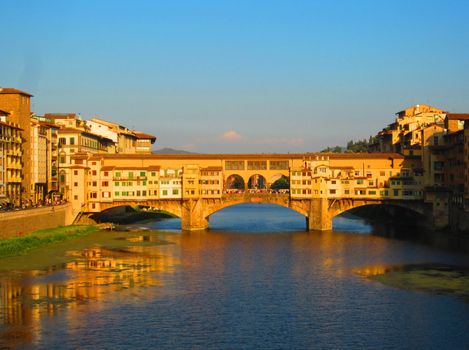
(319, 216)
(193, 215)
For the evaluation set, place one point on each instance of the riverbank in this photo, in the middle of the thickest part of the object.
(434, 278)
(23, 222)
(20, 245)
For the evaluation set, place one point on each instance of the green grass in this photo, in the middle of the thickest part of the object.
(20, 245)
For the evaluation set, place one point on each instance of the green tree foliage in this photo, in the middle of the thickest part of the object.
(360, 146)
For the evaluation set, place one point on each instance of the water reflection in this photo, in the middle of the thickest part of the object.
(91, 276)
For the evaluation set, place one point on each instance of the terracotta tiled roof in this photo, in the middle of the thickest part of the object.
(457, 116)
(141, 135)
(60, 115)
(73, 131)
(2, 112)
(13, 91)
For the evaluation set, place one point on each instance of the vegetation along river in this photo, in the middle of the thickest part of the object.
(255, 280)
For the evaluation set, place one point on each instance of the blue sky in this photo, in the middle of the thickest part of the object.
(239, 76)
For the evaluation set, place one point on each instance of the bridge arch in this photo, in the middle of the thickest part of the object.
(414, 208)
(280, 202)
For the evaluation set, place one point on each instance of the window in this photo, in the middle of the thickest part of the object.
(278, 165)
(75, 172)
(142, 174)
(75, 184)
(165, 192)
(118, 174)
(332, 191)
(234, 165)
(72, 140)
(175, 192)
(94, 173)
(105, 183)
(62, 141)
(359, 182)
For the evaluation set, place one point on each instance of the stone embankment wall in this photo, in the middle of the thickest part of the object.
(21, 222)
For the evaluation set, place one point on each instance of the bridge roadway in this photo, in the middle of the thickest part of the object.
(319, 212)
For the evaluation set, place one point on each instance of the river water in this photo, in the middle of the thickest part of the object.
(255, 280)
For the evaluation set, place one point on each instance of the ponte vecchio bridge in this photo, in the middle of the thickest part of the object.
(194, 186)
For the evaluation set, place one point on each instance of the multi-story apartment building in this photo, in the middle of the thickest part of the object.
(404, 134)
(17, 104)
(363, 178)
(76, 141)
(11, 167)
(125, 141)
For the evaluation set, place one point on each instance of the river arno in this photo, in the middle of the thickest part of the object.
(256, 280)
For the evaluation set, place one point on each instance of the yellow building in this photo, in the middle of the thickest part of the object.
(74, 141)
(108, 178)
(404, 135)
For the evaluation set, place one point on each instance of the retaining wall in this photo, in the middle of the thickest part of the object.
(21, 222)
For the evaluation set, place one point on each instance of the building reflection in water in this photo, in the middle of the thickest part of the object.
(25, 297)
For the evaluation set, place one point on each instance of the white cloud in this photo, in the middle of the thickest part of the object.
(231, 135)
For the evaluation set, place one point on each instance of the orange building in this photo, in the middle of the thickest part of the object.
(17, 104)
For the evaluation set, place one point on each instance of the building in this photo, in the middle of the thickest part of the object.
(17, 104)
(404, 134)
(144, 142)
(125, 141)
(44, 157)
(11, 167)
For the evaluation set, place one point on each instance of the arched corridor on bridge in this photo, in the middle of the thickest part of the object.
(279, 182)
(235, 182)
(257, 182)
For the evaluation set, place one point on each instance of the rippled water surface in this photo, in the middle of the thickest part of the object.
(255, 280)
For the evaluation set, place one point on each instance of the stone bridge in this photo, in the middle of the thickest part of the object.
(319, 212)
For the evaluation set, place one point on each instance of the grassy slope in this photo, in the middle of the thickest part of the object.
(20, 245)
